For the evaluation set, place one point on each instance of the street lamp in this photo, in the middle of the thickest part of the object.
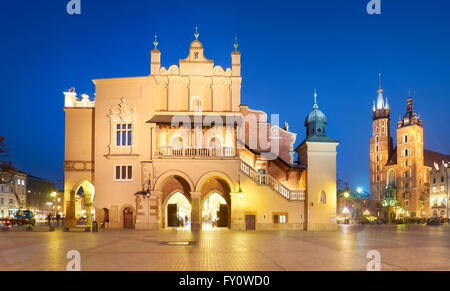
(359, 190)
(346, 195)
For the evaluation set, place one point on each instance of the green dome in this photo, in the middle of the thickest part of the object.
(316, 116)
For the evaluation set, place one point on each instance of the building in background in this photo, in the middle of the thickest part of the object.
(12, 190)
(439, 192)
(41, 197)
(400, 175)
(176, 148)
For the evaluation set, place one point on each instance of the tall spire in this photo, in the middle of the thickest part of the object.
(380, 99)
(236, 44)
(196, 33)
(155, 42)
(316, 106)
(380, 87)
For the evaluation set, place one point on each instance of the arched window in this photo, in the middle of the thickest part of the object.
(376, 148)
(177, 142)
(377, 138)
(406, 153)
(391, 178)
(196, 104)
(405, 138)
(215, 143)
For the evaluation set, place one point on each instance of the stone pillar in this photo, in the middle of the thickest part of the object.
(196, 217)
(142, 212)
(70, 201)
(237, 212)
(155, 208)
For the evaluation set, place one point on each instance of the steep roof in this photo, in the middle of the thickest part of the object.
(431, 157)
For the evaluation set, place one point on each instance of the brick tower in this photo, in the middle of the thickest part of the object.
(380, 147)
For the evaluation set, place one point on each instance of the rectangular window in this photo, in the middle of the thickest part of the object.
(280, 218)
(2, 201)
(124, 134)
(123, 173)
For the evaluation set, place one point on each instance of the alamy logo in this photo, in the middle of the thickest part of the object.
(374, 7)
(74, 263)
(375, 260)
(74, 7)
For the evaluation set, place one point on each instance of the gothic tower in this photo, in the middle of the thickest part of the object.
(380, 146)
(410, 162)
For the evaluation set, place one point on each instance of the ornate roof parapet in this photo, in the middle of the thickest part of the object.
(72, 101)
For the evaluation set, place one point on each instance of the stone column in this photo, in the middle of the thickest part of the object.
(142, 212)
(155, 208)
(70, 201)
(196, 217)
(237, 212)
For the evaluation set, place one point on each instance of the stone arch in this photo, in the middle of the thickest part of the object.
(165, 204)
(162, 179)
(86, 190)
(215, 175)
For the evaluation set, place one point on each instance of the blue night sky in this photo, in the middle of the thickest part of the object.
(288, 47)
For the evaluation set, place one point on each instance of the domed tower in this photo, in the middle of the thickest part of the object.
(380, 145)
(318, 153)
(316, 121)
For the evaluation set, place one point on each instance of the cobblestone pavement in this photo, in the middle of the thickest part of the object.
(413, 247)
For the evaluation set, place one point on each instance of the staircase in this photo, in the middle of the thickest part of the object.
(268, 180)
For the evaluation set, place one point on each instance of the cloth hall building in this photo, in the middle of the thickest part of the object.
(177, 148)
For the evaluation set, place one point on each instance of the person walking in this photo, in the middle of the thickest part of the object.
(49, 219)
(58, 218)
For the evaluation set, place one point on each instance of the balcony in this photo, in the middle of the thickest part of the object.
(207, 153)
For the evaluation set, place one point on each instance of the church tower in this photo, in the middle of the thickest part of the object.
(380, 145)
(410, 161)
(318, 153)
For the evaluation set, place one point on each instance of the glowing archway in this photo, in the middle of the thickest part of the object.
(85, 197)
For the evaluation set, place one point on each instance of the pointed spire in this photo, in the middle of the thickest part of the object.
(196, 33)
(236, 44)
(316, 106)
(155, 42)
(380, 87)
(386, 104)
(380, 99)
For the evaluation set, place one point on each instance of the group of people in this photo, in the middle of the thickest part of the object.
(51, 218)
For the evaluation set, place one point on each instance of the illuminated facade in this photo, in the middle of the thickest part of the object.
(439, 193)
(177, 148)
(400, 175)
(12, 191)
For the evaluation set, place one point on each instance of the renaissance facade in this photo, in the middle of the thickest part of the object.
(400, 175)
(177, 148)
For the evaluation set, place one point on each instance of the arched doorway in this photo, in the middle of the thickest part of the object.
(215, 205)
(105, 222)
(128, 218)
(215, 212)
(178, 211)
(84, 199)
